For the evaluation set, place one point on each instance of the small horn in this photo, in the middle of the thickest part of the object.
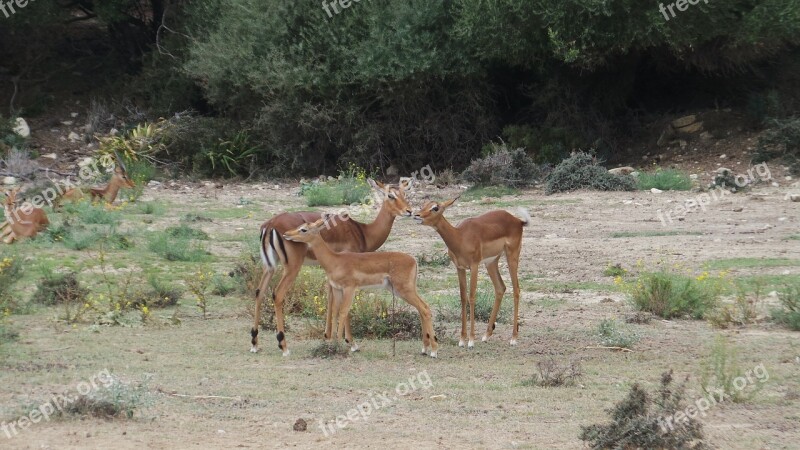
(119, 161)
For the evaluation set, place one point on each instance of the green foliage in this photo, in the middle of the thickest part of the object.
(231, 157)
(372, 317)
(615, 270)
(59, 289)
(722, 369)
(10, 272)
(161, 294)
(789, 312)
(614, 334)
(89, 213)
(113, 399)
(441, 259)
(638, 421)
(177, 249)
(503, 166)
(581, 171)
(781, 140)
(449, 307)
(184, 231)
(478, 192)
(669, 295)
(150, 208)
(666, 180)
(349, 188)
(546, 145)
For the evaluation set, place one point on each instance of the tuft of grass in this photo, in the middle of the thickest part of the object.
(478, 192)
(177, 249)
(554, 374)
(745, 263)
(191, 217)
(449, 307)
(59, 289)
(794, 237)
(666, 180)
(630, 234)
(721, 371)
(153, 208)
(330, 349)
(669, 295)
(433, 260)
(113, 399)
(184, 231)
(349, 188)
(89, 213)
(615, 270)
(614, 334)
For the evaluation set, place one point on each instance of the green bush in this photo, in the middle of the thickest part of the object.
(669, 295)
(581, 171)
(615, 334)
(502, 166)
(88, 213)
(666, 180)
(789, 312)
(177, 249)
(59, 289)
(350, 187)
(183, 231)
(781, 140)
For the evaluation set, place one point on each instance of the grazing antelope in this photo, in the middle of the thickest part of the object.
(23, 222)
(345, 235)
(348, 271)
(480, 240)
(108, 193)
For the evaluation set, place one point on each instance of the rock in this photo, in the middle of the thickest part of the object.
(300, 425)
(656, 191)
(738, 209)
(682, 144)
(706, 136)
(392, 171)
(775, 184)
(73, 136)
(87, 161)
(52, 156)
(8, 181)
(67, 123)
(153, 183)
(691, 129)
(21, 127)
(73, 115)
(113, 132)
(792, 197)
(626, 170)
(723, 170)
(438, 397)
(684, 121)
(723, 156)
(693, 176)
(788, 178)
(635, 174)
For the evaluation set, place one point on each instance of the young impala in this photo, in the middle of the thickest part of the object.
(349, 271)
(480, 240)
(343, 235)
(108, 193)
(23, 221)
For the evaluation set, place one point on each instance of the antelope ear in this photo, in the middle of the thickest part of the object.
(319, 223)
(447, 203)
(377, 185)
(405, 183)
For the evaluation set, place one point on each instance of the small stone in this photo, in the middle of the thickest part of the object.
(723, 156)
(693, 176)
(300, 425)
(738, 209)
(775, 184)
(21, 127)
(8, 181)
(73, 136)
(438, 397)
(656, 191)
(73, 115)
(626, 170)
(50, 156)
(67, 123)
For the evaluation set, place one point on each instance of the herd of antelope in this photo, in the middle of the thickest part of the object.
(346, 251)
(27, 221)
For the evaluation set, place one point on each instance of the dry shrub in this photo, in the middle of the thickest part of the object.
(554, 374)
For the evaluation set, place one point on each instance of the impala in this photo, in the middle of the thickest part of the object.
(345, 235)
(348, 271)
(108, 193)
(480, 240)
(22, 221)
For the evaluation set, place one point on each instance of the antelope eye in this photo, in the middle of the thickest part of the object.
(435, 208)
(303, 230)
(392, 196)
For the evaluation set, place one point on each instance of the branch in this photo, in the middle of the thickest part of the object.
(622, 349)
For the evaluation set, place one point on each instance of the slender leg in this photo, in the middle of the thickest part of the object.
(473, 290)
(344, 308)
(260, 292)
(329, 312)
(410, 295)
(499, 290)
(513, 265)
(462, 288)
(287, 279)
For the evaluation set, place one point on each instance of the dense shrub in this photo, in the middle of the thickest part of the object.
(581, 171)
(502, 166)
(669, 295)
(59, 289)
(781, 140)
(666, 180)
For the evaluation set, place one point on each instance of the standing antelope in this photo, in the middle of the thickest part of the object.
(345, 235)
(22, 221)
(480, 240)
(108, 193)
(348, 271)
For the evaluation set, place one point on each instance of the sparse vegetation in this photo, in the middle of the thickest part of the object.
(668, 294)
(789, 312)
(615, 270)
(665, 180)
(614, 334)
(638, 421)
(722, 369)
(330, 349)
(552, 373)
(441, 259)
(581, 171)
(478, 192)
(177, 249)
(781, 140)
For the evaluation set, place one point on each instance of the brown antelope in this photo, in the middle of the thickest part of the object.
(348, 271)
(480, 240)
(23, 222)
(108, 193)
(345, 235)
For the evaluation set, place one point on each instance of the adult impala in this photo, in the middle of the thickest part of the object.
(480, 240)
(343, 235)
(23, 221)
(348, 271)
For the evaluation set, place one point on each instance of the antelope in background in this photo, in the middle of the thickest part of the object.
(22, 222)
(348, 271)
(480, 240)
(346, 235)
(108, 193)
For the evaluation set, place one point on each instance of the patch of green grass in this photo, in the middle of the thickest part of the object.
(794, 237)
(752, 283)
(339, 192)
(570, 286)
(789, 312)
(184, 231)
(88, 213)
(153, 208)
(478, 192)
(448, 306)
(666, 180)
(177, 249)
(744, 263)
(630, 234)
(614, 270)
